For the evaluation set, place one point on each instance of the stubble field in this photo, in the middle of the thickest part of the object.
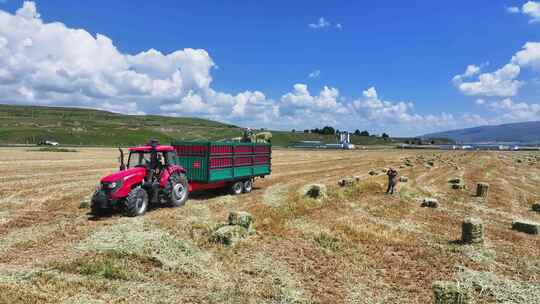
(357, 245)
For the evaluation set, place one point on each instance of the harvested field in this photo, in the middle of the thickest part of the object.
(354, 245)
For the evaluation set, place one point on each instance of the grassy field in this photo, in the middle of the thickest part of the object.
(358, 245)
(71, 126)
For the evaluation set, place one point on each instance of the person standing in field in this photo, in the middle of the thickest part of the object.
(392, 180)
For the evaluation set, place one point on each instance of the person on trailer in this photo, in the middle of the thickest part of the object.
(247, 136)
(392, 180)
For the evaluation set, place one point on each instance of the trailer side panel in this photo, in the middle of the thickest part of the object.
(210, 162)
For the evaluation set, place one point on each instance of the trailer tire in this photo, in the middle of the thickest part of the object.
(136, 202)
(177, 190)
(247, 186)
(237, 188)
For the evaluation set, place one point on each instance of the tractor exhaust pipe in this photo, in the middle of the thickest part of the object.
(121, 158)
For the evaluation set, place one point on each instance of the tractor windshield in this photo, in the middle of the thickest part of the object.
(142, 158)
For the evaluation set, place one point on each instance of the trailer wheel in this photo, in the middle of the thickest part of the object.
(136, 202)
(248, 186)
(177, 190)
(237, 188)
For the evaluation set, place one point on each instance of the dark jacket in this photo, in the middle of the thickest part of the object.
(392, 176)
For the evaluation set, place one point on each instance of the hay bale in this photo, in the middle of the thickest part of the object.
(349, 181)
(240, 218)
(449, 293)
(373, 172)
(316, 191)
(482, 190)
(263, 137)
(536, 207)
(472, 231)
(229, 235)
(430, 202)
(458, 186)
(526, 226)
(431, 163)
(403, 179)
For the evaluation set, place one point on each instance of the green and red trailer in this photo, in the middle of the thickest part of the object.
(166, 174)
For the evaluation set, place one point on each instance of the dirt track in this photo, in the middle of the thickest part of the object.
(357, 246)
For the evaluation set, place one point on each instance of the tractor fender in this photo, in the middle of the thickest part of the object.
(167, 173)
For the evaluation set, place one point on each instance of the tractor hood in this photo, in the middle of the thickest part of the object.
(136, 173)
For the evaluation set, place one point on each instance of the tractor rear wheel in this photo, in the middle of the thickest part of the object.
(248, 186)
(177, 190)
(237, 187)
(136, 202)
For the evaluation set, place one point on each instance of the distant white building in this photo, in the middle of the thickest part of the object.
(51, 143)
(345, 140)
(449, 147)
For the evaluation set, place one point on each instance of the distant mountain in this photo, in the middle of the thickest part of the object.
(523, 132)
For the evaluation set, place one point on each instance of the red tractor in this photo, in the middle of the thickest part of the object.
(151, 174)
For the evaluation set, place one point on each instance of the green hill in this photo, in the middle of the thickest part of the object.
(77, 126)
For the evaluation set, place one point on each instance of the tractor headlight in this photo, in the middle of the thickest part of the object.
(113, 186)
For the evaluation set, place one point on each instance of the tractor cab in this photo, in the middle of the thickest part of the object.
(150, 156)
(151, 174)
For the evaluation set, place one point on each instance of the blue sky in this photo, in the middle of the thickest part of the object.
(389, 66)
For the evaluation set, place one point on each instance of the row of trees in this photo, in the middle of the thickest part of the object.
(366, 133)
(328, 130)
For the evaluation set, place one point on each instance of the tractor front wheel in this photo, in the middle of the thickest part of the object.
(97, 211)
(136, 202)
(98, 205)
(177, 190)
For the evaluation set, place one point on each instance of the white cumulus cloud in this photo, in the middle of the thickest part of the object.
(470, 71)
(511, 111)
(301, 98)
(503, 82)
(53, 64)
(323, 23)
(499, 83)
(529, 8)
(315, 74)
(529, 56)
(513, 9)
